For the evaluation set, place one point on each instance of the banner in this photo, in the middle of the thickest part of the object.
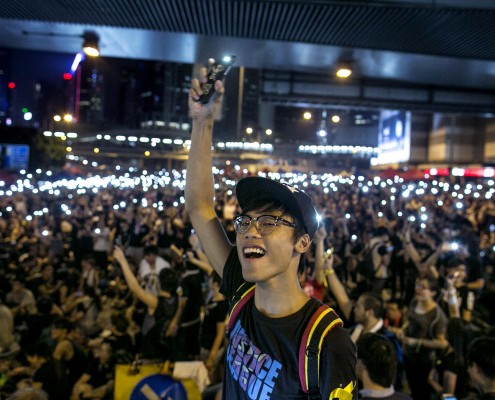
(149, 383)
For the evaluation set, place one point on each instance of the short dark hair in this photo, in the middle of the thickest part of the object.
(63, 323)
(480, 352)
(151, 249)
(169, 280)
(371, 301)
(377, 353)
(120, 322)
(454, 262)
(432, 282)
(41, 349)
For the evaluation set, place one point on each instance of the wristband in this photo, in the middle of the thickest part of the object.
(329, 272)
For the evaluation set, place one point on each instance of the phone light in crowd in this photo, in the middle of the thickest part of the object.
(319, 218)
(57, 118)
(249, 130)
(268, 132)
(322, 133)
(348, 216)
(68, 118)
(335, 119)
(353, 238)
(440, 203)
(454, 246)
(412, 218)
(97, 231)
(399, 213)
(226, 59)
(96, 150)
(458, 205)
(45, 233)
(307, 115)
(147, 153)
(28, 116)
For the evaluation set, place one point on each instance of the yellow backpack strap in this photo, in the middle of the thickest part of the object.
(321, 323)
(243, 294)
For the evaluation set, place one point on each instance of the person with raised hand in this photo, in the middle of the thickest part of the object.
(276, 227)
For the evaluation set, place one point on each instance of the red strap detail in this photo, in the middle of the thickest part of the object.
(304, 344)
(239, 306)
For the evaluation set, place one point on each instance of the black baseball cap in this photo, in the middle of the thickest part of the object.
(296, 201)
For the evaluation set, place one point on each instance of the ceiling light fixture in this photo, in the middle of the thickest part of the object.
(90, 44)
(344, 70)
(90, 40)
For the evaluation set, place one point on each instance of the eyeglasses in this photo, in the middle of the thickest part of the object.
(264, 224)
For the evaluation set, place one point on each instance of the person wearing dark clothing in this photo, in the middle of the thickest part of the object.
(67, 351)
(97, 380)
(50, 374)
(163, 312)
(274, 232)
(481, 367)
(188, 336)
(376, 368)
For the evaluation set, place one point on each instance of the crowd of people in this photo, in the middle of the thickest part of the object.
(92, 276)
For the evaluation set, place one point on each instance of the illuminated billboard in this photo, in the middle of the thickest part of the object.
(14, 157)
(394, 137)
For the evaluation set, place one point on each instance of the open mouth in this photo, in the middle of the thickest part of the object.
(253, 252)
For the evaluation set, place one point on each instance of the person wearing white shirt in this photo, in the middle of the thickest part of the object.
(150, 267)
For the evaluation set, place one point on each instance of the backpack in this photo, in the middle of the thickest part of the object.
(323, 320)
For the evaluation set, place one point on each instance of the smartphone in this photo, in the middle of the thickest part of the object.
(217, 72)
(328, 253)
(448, 396)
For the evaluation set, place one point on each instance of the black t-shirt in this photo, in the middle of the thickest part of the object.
(191, 285)
(137, 232)
(262, 353)
(155, 345)
(215, 312)
(100, 374)
(446, 362)
(54, 379)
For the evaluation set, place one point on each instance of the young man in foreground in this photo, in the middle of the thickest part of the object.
(273, 232)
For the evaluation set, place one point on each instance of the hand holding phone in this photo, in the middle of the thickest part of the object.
(217, 72)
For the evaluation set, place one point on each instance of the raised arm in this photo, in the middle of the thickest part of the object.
(149, 299)
(337, 288)
(199, 181)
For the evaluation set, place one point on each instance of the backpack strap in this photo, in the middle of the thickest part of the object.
(318, 327)
(243, 294)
